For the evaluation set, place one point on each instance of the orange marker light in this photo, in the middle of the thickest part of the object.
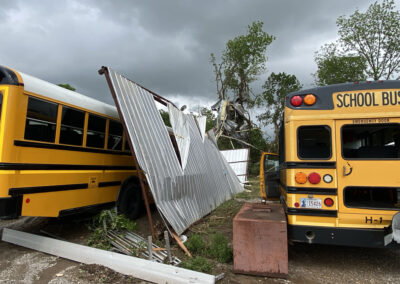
(309, 99)
(301, 177)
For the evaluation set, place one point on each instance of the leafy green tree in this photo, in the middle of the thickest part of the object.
(210, 118)
(335, 67)
(67, 86)
(375, 36)
(165, 117)
(242, 61)
(276, 87)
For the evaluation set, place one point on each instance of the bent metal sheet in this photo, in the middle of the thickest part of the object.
(186, 192)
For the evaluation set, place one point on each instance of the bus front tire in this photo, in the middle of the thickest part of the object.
(129, 201)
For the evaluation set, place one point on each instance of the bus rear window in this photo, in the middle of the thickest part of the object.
(314, 142)
(41, 120)
(371, 141)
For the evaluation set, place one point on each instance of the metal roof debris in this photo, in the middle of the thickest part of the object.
(185, 192)
(128, 265)
(238, 159)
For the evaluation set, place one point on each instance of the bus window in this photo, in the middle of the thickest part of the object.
(127, 149)
(41, 120)
(96, 131)
(72, 123)
(114, 135)
(314, 142)
(376, 141)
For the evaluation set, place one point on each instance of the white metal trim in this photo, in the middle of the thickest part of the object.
(136, 267)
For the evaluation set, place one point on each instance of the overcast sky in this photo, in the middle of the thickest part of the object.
(163, 45)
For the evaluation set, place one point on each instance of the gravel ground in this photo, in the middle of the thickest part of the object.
(307, 263)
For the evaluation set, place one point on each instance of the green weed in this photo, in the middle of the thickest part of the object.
(196, 244)
(219, 248)
(198, 263)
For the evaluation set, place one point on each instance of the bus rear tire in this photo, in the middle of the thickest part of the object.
(130, 201)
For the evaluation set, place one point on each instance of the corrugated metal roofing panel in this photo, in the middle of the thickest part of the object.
(238, 160)
(183, 194)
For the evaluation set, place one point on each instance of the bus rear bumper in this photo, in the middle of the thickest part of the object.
(342, 236)
(10, 207)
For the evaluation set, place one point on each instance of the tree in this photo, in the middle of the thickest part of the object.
(242, 61)
(210, 118)
(67, 86)
(276, 87)
(375, 36)
(165, 117)
(336, 67)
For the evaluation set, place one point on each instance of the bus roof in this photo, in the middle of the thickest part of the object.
(46, 89)
(324, 93)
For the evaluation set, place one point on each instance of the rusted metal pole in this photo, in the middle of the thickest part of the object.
(104, 71)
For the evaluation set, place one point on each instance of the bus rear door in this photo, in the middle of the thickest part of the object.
(368, 172)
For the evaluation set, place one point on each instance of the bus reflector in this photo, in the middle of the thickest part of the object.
(314, 178)
(296, 101)
(27, 200)
(328, 202)
(301, 177)
(309, 99)
(296, 204)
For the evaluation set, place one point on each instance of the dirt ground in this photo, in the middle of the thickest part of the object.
(307, 263)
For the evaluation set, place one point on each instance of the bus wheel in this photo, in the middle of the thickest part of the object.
(129, 201)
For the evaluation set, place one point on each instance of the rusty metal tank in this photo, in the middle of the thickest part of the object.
(260, 240)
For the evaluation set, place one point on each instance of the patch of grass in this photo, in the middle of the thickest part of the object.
(198, 263)
(219, 248)
(196, 244)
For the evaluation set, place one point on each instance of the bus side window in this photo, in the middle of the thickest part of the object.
(115, 135)
(72, 122)
(41, 119)
(96, 131)
(314, 142)
(127, 149)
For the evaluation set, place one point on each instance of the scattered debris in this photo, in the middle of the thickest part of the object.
(132, 244)
(128, 265)
(184, 189)
(238, 159)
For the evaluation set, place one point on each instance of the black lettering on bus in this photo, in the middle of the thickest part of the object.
(373, 100)
(353, 100)
(398, 97)
(385, 98)
(360, 99)
(344, 100)
(393, 98)
(368, 99)
(339, 98)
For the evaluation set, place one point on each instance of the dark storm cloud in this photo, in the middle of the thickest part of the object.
(164, 45)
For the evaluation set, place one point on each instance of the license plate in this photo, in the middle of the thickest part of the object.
(311, 203)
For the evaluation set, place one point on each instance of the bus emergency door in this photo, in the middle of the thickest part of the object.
(368, 166)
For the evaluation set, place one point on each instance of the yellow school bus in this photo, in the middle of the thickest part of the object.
(339, 164)
(60, 152)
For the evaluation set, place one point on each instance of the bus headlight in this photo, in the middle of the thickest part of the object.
(396, 227)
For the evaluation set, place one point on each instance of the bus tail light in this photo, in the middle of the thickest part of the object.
(301, 177)
(309, 99)
(296, 101)
(328, 202)
(314, 178)
(328, 178)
